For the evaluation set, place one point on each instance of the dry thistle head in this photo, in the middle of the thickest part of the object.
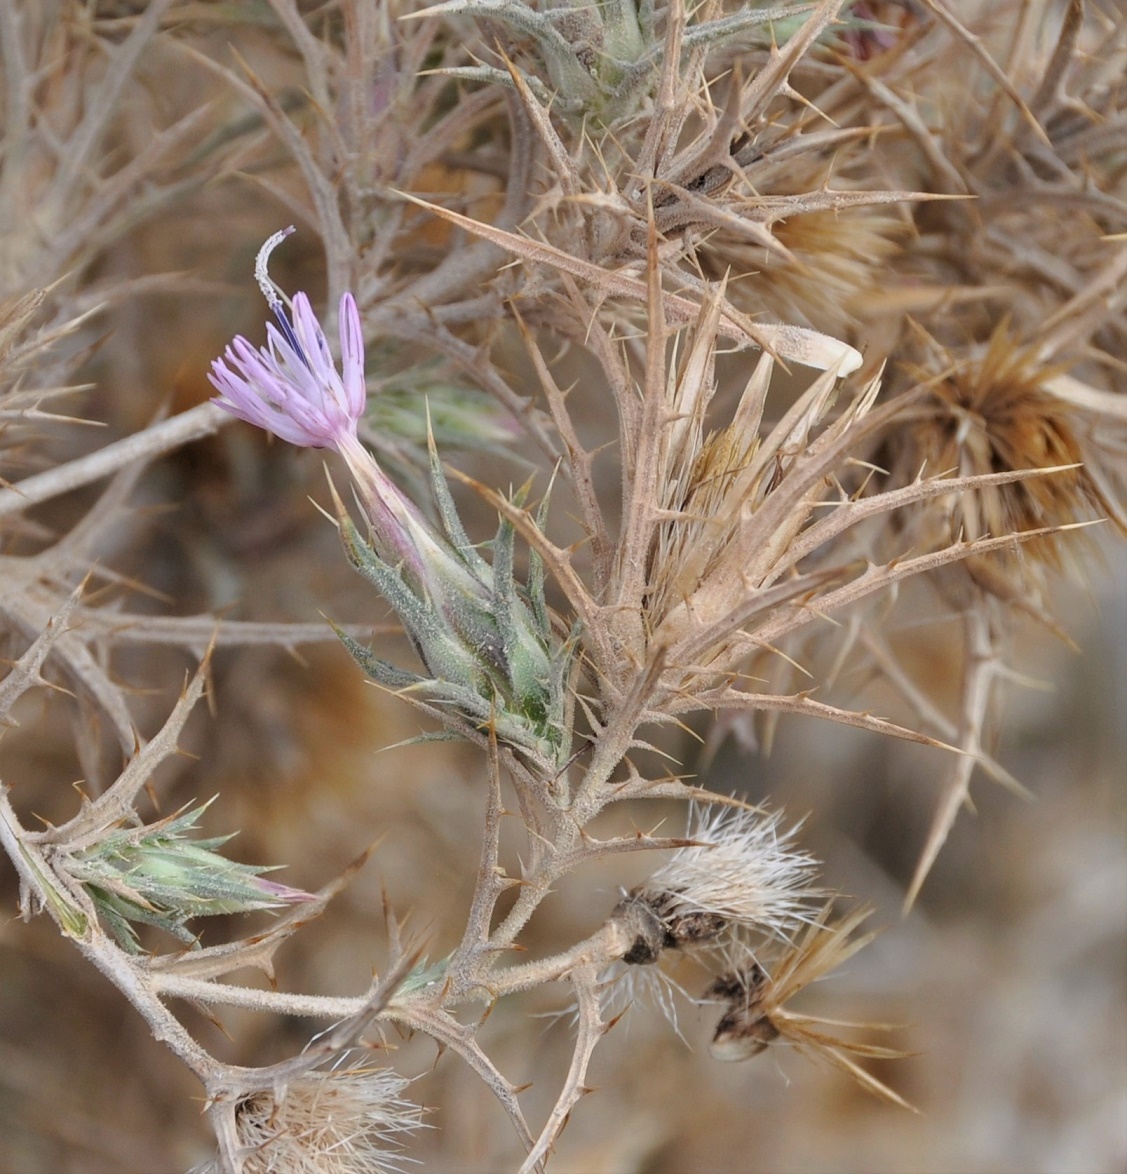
(742, 877)
(991, 413)
(736, 504)
(742, 898)
(741, 884)
(817, 273)
(348, 1121)
(756, 995)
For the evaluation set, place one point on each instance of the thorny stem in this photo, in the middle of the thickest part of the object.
(116, 804)
(118, 967)
(492, 881)
(566, 829)
(555, 859)
(982, 667)
(277, 1002)
(448, 1032)
(584, 980)
(225, 1084)
(607, 944)
(193, 424)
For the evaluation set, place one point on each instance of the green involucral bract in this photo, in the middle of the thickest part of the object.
(487, 645)
(155, 875)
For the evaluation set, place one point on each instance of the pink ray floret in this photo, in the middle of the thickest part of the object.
(291, 386)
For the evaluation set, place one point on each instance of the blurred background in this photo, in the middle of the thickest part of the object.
(1005, 983)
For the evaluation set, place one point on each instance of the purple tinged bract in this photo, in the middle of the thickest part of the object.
(283, 894)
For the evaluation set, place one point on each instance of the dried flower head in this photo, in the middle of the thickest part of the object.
(743, 872)
(740, 885)
(756, 996)
(819, 270)
(344, 1122)
(992, 413)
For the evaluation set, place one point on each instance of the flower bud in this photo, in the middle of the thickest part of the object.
(156, 875)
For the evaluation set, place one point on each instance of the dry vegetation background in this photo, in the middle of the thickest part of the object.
(149, 150)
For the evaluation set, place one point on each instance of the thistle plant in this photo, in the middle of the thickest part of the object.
(488, 651)
(675, 372)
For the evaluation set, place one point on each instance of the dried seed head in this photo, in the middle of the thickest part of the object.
(742, 874)
(645, 929)
(655, 922)
(835, 259)
(744, 1030)
(740, 886)
(756, 996)
(992, 414)
(344, 1122)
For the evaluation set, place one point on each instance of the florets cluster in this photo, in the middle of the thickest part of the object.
(291, 386)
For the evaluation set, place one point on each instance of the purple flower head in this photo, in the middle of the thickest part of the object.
(291, 386)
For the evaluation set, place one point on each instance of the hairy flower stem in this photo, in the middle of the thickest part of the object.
(606, 945)
(566, 830)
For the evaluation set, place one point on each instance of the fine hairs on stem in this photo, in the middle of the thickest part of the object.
(674, 370)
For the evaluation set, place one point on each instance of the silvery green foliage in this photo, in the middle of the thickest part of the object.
(459, 415)
(603, 58)
(592, 55)
(487, 643)
(157, 875)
